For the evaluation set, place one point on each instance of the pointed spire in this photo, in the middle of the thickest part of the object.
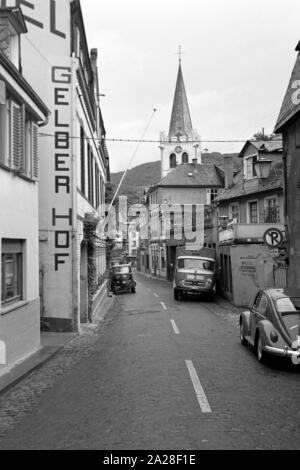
(181, 123)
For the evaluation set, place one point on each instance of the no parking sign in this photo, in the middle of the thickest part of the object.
(273, 237)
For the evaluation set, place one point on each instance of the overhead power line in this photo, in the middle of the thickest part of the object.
(156, 141)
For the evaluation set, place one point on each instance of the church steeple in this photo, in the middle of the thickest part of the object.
(181, 123)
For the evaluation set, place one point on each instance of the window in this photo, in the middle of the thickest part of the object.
(257, 301)
(263, 305)
(271, 210)
(98, 185)
(195, 263)
(249, 167)
(185, 158)
(173, 160)
(234, 211)
(30, 165)
(16, 156)
(76, 41)
(82, 160)
(163, 258)
(19, 137)
(12, 276)
(211, 195)
(91, 169)
(253, 212)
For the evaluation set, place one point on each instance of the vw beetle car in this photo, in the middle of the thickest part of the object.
(121, 279)
(272, 326)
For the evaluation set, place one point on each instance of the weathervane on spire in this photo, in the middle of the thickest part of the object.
(180, 53)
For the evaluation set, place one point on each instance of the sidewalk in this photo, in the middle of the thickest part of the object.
(51, 344)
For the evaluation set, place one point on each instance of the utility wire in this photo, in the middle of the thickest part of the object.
(131, 160)
(153, 141)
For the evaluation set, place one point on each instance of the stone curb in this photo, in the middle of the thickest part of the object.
(36, 360)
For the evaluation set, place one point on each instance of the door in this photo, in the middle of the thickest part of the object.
(253, 315)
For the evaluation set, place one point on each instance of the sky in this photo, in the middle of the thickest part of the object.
(237, 59)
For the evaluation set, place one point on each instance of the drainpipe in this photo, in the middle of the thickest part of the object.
(75, 286)
(285, 215)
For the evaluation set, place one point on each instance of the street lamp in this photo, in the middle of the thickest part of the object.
(262, 168)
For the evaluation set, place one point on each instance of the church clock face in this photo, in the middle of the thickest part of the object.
(178, 149)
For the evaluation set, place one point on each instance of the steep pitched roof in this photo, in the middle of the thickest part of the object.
(205, 176)
(263, 146)
(274, 181)
(290, 107)
(181, 123)
(11, 69)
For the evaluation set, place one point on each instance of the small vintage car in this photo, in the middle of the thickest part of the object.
(121, 279)
(195, 273)
(272, 326)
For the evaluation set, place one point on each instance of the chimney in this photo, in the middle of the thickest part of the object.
(94, 58)
(228, 170)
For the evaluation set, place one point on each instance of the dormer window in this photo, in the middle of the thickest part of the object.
(249, 167)
(12, 25)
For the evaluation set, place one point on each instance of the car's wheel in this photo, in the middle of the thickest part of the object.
(242, 334)
(176, 294)
(210, 297)
(133, 291)
(259, 349)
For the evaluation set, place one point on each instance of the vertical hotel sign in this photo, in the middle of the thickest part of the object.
(47, 65)
(61, 80)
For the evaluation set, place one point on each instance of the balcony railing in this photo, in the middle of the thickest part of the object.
(246, 233)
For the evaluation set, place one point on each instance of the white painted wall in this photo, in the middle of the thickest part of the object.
(20, 327)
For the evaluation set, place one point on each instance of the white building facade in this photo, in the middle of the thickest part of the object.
(74, 162)
(21, 114)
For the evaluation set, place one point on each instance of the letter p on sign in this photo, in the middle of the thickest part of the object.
(2, 353)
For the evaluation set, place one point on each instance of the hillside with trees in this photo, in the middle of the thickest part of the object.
(147, 174)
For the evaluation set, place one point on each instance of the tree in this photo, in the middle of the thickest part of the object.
(260, 135)
(109, 193)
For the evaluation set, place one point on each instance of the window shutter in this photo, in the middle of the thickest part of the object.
(34, 151)
(16, 136)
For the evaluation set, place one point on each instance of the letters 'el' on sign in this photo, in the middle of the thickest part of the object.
(273, 237)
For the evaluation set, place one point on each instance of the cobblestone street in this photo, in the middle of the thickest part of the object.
(126, 386)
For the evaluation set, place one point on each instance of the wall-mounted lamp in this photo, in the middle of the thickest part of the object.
(263, 167)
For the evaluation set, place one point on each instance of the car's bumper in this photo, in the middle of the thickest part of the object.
(195, 290)
(282, 352)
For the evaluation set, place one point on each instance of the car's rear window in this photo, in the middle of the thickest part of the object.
(288, 305)
(122, 270)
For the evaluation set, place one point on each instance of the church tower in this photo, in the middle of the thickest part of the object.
(182, 144)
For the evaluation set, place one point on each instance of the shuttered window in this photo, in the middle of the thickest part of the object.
(17, 136)
(34, 151)
(21, 140)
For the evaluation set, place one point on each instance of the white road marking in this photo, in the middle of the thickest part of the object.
(294, 327)
(203, 402)
(155, 295)
(164, 306)
(175, 328)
